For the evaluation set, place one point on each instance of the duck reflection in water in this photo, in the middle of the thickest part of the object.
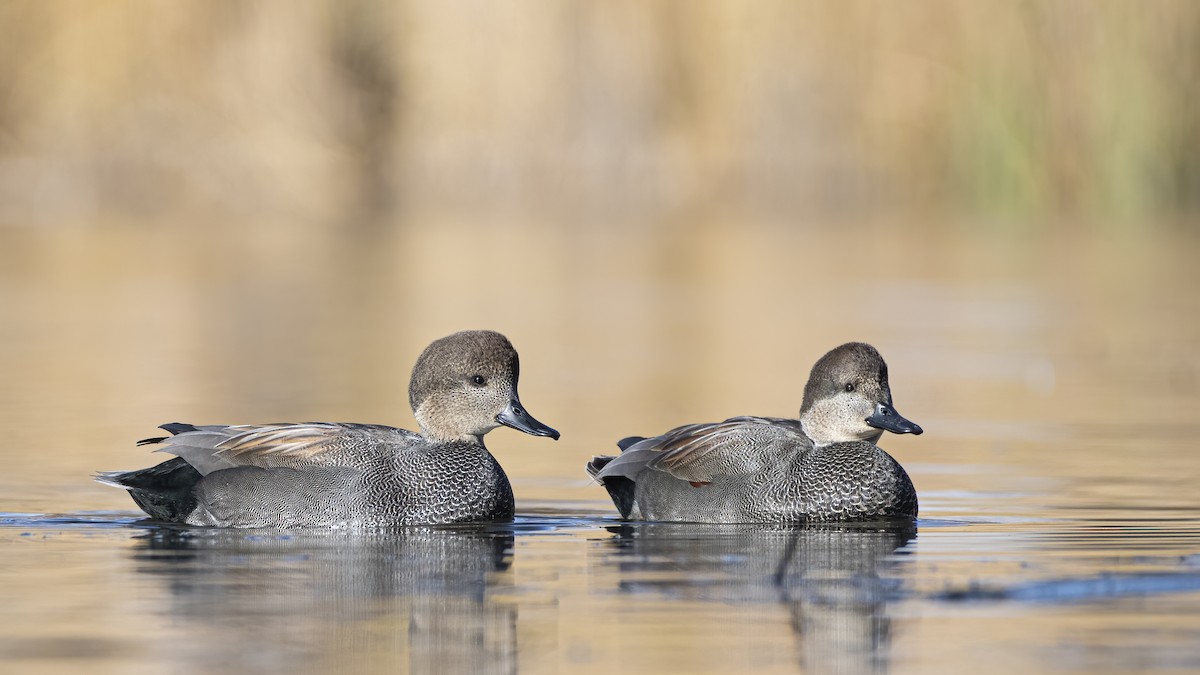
(337, 601)
(830, 578)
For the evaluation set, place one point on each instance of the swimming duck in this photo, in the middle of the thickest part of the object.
(322, 474)
(824, 466)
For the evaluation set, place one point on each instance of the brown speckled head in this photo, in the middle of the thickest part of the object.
(464, 385)
(847, 398)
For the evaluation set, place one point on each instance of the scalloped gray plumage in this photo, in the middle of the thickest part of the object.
(322, 474)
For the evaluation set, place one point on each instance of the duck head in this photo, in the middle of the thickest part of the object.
(464, 385)
(847, 398)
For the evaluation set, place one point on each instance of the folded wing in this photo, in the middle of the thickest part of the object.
(215, 447)
(698, 452)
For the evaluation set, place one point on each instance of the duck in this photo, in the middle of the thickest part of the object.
(824, 466)
(335, 474)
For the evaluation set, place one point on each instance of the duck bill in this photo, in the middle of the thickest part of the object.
(514, 416)
(888, 419)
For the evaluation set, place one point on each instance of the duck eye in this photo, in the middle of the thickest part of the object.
(849, 386)
(479, 380)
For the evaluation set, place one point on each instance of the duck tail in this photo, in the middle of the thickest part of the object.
(620, 488)
(163, 491)
(598, 462)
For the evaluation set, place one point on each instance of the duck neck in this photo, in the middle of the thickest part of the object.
(814, 434)
(433, 429)
(440, 436)
(821, 433)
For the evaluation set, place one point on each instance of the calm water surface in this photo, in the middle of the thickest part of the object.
(1057, 378)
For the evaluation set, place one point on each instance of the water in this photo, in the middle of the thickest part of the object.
(1056, 375)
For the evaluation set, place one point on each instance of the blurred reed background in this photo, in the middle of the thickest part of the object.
(323, 114)
(259, 211)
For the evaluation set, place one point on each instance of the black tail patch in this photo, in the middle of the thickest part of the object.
(620, 488)
(163, 491)
(622, 491)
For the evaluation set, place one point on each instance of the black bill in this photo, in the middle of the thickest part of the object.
(888, 419)
(514, 416)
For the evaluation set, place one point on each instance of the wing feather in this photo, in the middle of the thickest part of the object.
(216, 447)
(698, 452)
